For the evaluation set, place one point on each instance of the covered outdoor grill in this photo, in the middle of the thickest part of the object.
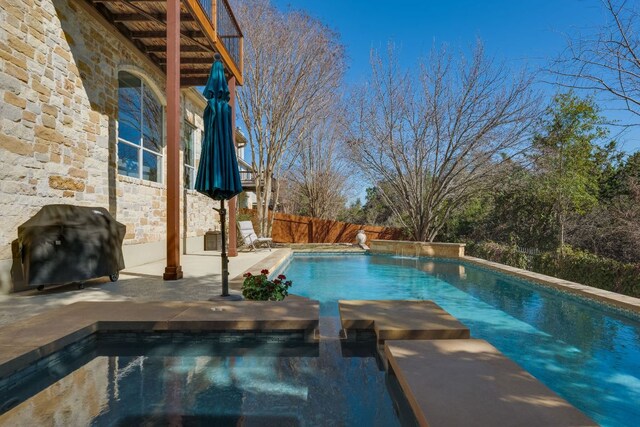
(65, 243)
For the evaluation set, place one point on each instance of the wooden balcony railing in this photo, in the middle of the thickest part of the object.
(226, 27)
(248, 177)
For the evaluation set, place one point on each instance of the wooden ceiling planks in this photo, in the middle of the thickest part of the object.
(144, 23)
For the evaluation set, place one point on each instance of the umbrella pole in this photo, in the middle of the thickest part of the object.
(225, 259)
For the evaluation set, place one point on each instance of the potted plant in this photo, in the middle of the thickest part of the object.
(261, 288)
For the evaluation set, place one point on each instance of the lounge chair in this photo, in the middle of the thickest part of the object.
(250, 237)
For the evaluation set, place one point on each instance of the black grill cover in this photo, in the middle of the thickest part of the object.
(65, 243)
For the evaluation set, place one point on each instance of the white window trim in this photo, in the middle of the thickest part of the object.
(140, 147)
(192, 168)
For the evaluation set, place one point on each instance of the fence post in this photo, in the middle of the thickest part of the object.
(310, 231)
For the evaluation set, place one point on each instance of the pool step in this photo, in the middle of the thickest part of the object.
(400, 319)
(469, 382)
(447, 378)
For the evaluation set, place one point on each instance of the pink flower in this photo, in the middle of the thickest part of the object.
(247, 274)
(281, 276)
(265, 271)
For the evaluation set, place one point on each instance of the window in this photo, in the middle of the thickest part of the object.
(140, 138)
(188, 144)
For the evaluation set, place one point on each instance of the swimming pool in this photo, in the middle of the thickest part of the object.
(200, 379)
(586, 352)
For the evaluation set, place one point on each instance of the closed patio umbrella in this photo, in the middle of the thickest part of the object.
(218, 176)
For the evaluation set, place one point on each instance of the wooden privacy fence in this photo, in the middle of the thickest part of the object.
(303, 229)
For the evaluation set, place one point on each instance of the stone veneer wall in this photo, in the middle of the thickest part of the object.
(406, 248)
(59, 64)
(75, 400)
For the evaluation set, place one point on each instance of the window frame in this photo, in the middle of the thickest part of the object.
(140, 146)
(191, 168)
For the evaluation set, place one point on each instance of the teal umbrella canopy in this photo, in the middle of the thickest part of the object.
(218, 176)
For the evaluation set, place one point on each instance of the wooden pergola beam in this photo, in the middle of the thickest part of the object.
(158, 18)
(104, 11)
(193, 81)
(183, 48)
(194, 73)
(163, 34)
(138, 17)
(191, 61)
(130, 1)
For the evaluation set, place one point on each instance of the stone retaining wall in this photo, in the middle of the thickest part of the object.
(406, 248)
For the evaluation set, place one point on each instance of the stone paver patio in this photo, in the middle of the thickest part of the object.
(202, 280)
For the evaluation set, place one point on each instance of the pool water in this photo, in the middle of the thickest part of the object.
(586, 352)
(202, 380)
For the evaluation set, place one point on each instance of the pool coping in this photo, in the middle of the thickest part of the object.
(26, 341)
(400, 320)
(272, 263)
(449, 382)
(608, 297)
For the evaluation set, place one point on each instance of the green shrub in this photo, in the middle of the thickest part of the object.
(589, 269)
(574, 265)
(261, 288)
(504, 254)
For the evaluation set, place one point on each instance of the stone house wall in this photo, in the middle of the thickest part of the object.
(59, 64)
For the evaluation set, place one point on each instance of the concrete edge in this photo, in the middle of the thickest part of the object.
(384, 333)
(14, 357)
(608, 297)
(271, 263)
(421, 243)
(422, 334)
(413, 248)
(392, 367)
(507, 367)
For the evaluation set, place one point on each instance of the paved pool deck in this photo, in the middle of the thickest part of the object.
(22, 343)
(38, 323)
(202, 280)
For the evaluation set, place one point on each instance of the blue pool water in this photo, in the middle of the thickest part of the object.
(228, 379)
(586, 352)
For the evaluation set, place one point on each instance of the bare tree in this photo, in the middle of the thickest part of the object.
(611, 229)
(293, 70)
(320, 175)
(608, 62)
(436, 137)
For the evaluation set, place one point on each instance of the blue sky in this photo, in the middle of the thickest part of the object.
(521, 32)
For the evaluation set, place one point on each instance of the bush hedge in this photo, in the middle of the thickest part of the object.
(574, 264)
